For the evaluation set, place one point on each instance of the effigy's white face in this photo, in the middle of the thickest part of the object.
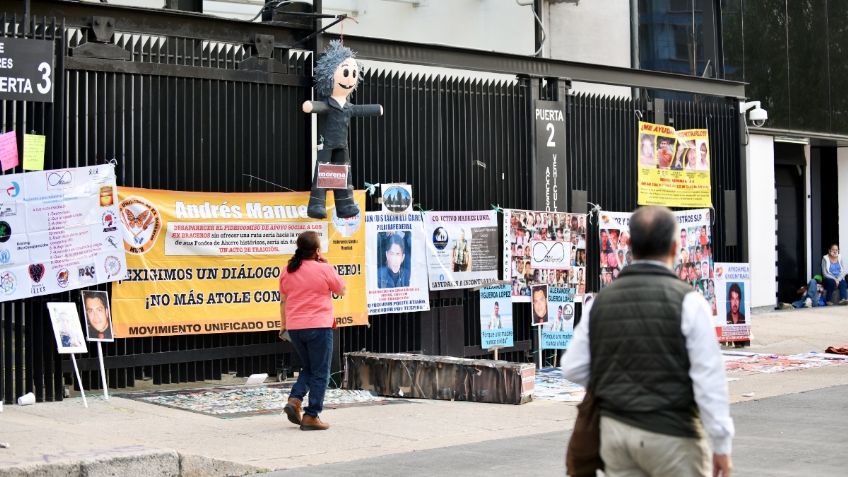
(345, 78)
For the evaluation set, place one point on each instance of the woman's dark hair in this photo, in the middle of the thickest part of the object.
(307, 248)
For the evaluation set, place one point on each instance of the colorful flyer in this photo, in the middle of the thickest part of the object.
(496, 317)
(462, 249)
(673, 167)
(396, 263)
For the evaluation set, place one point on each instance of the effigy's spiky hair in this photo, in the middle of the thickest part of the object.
(325, 67)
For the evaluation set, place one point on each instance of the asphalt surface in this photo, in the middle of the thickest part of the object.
(789, 435)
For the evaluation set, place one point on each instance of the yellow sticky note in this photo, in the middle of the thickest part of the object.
(34, 152)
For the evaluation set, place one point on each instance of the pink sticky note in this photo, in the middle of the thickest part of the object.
(8, 151)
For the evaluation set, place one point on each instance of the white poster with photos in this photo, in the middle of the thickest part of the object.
(694, 261)
(66, 327)
(554, 241)
(395, 263)
(462, 248)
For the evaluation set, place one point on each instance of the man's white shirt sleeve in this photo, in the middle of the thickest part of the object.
(706, 369)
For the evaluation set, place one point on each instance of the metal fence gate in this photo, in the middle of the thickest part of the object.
(192, 103)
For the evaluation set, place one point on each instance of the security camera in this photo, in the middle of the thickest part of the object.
(758, 115)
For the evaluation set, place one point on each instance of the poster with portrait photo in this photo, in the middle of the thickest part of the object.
(694, 263)
(98, 315)
(66, 327)
(496, 317)
(732, 284)
(558, 331)
(462, 248)
(523, 230)
(539, 305)
(395, 263)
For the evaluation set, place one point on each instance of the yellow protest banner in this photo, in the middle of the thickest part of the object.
(673, 166)
(210, 263)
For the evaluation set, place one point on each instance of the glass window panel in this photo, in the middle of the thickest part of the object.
(838, 39)
(765, 58)
(807, 54)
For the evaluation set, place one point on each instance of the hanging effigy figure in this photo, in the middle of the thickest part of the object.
(336, 75)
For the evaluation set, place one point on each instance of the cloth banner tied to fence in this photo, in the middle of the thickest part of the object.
(210, 263)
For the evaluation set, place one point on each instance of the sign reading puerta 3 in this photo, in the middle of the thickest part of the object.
(26, 70)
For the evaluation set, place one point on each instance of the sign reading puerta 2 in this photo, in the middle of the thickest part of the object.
(26, 70)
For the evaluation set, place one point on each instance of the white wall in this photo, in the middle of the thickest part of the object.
(842, 182)
(761, 220)
(490, 25)
(594, 31)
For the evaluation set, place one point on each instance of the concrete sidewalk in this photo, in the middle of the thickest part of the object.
(128, 437)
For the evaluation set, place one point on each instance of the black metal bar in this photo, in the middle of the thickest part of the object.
(478, 60)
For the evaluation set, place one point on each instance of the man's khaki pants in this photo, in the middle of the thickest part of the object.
(628, 451)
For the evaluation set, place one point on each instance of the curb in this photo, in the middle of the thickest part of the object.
(148, 464)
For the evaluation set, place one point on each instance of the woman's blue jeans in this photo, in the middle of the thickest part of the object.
(314, 346)
(830, 285)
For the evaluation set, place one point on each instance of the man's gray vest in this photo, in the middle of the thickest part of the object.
(639, 365)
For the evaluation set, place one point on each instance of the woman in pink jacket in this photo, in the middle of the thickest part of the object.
(306, 312)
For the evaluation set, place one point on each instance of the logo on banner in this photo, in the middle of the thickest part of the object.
(5, 256)
(332, 176)
(106, 196)
(63, 277)
(550, 254)
(112, 241)
(13, 190)
(108, 220)
(87, 273)
(8, 210)
(719, 272)
(440, 238)
(8, 283)
(59, 179)
(397, 199)
(346, 227)
(5, 231)
(141, 225)
(112, 266)
(36, 273)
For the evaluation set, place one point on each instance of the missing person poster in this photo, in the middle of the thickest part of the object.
(558, 331)
(210, 262)
(462, 248)
(496, 317)
(396, 263)
(58, 231)
(732, 288)
(614, 235)
(544, 248)
(693, 263)
(673, 166)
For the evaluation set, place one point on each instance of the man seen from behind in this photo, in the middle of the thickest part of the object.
(647, 348)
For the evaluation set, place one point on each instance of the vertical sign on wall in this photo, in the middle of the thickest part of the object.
(549, 185)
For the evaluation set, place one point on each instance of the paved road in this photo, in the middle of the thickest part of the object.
(791, 435)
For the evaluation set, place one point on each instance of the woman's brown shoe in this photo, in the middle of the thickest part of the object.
(293, 410)
(312, 423)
